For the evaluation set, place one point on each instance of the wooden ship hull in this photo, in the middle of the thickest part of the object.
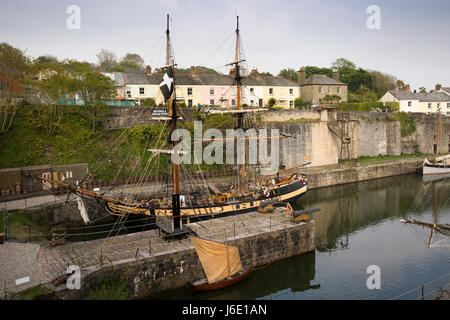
(203, 285)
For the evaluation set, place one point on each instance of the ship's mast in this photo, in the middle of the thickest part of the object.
(438, 124)
(239, 124)
(173, 114)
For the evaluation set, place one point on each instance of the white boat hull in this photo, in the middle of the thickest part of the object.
(430, 169)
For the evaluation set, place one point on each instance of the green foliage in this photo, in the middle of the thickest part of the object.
(407, 122)
(111, 288)
(360, 106)
(197, 69)
(392, 106)
(289, 74)
(132, 61)
(300, 104)
(332, 98)
(218, 121)
(272, 102)
(311, 70)
(149, 102)
(32, 293)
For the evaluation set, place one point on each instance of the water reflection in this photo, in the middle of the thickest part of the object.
(359, 225)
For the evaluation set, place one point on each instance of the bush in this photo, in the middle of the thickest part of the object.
(110, 289)
(300, 104)
(272, 102)
(149, 102)
(392, 106)
(407, 122)
(360, 106)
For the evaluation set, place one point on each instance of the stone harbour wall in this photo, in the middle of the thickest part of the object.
(176, 268)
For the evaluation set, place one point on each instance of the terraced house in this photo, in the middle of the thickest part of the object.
(207, 89)
(423, 102)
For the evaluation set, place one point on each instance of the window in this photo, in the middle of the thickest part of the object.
(211, 90)
(291, 91)
(409, 103)
(330, 89)
(189, 102)
(320, 89)
(429, 105)
(211, 101)
(141, 90)
(448, 105)
(291, 103)
(189, 91)
(270, 90)
(438, 105)
(252, 90)
(233, 102)
(338, 90)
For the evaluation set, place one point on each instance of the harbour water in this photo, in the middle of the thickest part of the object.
(359, 226)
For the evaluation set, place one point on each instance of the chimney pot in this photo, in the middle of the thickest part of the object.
(148, 70)
(301, 75)
(192, 71)
(408, 88)
(336, 74)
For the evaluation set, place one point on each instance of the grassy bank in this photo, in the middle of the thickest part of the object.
(110, 154)
(20, 223)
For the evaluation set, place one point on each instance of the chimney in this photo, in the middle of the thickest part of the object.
(438, 87)
(192, 71)
(301, 75)
(254, 72)
(336, 74)
(407, 88)
(148, 70)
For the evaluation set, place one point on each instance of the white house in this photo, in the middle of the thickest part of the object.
(423, 102)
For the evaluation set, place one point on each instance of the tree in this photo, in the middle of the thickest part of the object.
(265, 74)
(132, 61)
(47, 59)
(400, 85)
(343, 63)
(51, 86)
(107, 60)
(289, 74)
(310, 70)
(381, 82)
(93, 87)
(422, 90)
(14, 76)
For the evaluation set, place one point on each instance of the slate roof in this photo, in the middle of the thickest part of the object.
(421, 96)
(446, 89)
(139, 77)
(319, 79)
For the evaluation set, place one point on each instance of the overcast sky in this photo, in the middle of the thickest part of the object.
(412, 44)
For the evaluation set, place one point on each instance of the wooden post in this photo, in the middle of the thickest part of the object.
(422, 291)
(137, 251)
(149, 247)
(6, 224)
(101, 256)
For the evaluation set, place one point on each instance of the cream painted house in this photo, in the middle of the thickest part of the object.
(209, 89)
(422, 102)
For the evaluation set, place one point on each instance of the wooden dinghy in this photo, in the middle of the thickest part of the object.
(221, 263)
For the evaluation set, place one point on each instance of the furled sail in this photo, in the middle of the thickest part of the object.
(218, 260)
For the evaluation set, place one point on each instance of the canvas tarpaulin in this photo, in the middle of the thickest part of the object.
(218, 260)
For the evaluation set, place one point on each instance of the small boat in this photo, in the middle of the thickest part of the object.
(221, 263)
(438, 165)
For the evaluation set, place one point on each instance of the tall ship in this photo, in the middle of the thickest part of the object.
(188, 195)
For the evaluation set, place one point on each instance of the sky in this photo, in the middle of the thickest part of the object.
(410, 40)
